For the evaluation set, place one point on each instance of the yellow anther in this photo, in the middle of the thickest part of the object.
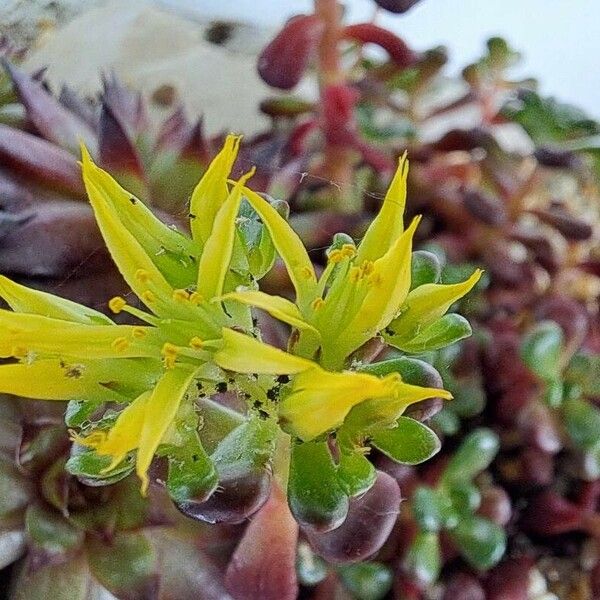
(355, 274)
(307, 273)
(335, 256)
(148, 297)
(169, 353)
(142, 276)
(120, 344)
(317, 303)
(117, 304)
(139, 333)
(180, 295)
(367, 268)
(348, 250)
(196, 343)
(375, 279)
(196, 298)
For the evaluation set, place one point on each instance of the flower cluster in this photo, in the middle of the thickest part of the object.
(185, 374)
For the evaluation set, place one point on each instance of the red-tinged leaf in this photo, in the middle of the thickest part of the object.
(174, 131)
(264, 564)
(128, 107)
(509, 580)
(57, 238)
(196, 145)
(74, 103)
(551, 514)
(571, 226)
(44, 162)
(396, 6)
(116, 151)
(339, 127)
(283, 62)
(463, 587)
(370, 520)
(369, 33)
(53, 121)
(495, 505)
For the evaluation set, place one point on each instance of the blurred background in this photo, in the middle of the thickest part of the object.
(169, 41)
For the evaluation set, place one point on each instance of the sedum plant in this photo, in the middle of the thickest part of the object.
(189, 381)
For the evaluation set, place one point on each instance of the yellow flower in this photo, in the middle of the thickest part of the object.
(61, 350)
(317, 400)
(361, 290)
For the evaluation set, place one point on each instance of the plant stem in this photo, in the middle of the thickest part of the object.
(338, 158)
(281, 459)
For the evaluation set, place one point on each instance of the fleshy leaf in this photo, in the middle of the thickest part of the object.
(316, 499)
(423, 560)
(541, 349)
(479, 540)
(427, 303)
(447, 330)
(475, 454)
(409, 443)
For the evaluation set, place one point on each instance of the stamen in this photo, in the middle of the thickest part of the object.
(306, 273)
(348, 251)
(117, 304)
(335, 256)
(196, 298)
(142, 276)
(169, 353)
(139, 333)
(317, 303)
(148, 297)
(120, 344)
(180, 295)
(196, 343)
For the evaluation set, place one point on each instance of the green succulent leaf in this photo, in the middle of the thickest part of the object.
(356, 474)
(474, 455)
(584, 370)
(582, 420)
(367, 580)
(465, 497)
(423, 560)
(128, 565)
(51, 533)
(314, 493)
(89, 465)
(480, 541)
(432, 509)
(311, 569)
(541, 349)
(426, 268)
(445, 331)
(412, 370)
(409, 443)
(191, 473)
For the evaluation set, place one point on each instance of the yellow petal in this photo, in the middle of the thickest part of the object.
(429, 302)
(320, 400)
(25, 300)
(245, 354)
(276, 306)
(125, 434)
(390, 284)
(290, 248)
(161, 408)
(21, 334)
(168, 249)
(212, 191)
(218, 249)
(388, 225)
(137, 268)
(53, 379)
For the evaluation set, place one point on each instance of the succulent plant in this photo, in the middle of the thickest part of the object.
(43, 207)
(301, 421)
